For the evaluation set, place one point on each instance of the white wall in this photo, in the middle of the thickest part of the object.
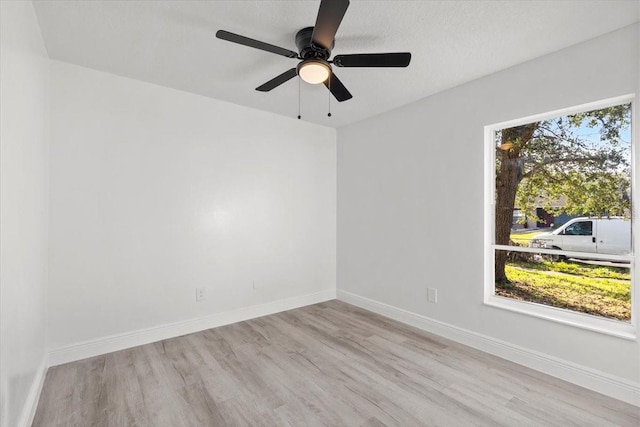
(155, 192)
(24, 197)
(410, 198)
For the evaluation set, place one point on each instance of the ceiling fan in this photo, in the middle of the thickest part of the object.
(314, 50)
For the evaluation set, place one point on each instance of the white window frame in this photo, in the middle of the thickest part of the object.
(555, 314)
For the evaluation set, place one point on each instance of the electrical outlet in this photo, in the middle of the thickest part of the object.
(432, 295)
(200, 294)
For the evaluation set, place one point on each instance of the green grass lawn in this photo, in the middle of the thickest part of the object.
(523, 238)
(602, 291)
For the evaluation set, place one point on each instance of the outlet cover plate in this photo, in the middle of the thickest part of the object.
(432, 295)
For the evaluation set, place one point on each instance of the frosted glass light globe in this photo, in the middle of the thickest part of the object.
(314, 71)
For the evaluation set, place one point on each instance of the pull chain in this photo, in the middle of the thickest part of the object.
(299, 116)
(329, 115)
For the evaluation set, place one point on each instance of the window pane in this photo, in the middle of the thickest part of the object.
(567, 171)
(599, 288)
(565, 184)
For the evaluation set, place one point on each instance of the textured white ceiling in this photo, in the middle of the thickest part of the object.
(172, 43)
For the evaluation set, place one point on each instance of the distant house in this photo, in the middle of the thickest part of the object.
(544, 218)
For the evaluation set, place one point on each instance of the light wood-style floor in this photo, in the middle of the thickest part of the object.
(327, 364)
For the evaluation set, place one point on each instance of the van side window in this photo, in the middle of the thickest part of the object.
(582, 228)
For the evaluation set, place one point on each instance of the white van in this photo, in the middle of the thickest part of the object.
(610, 236)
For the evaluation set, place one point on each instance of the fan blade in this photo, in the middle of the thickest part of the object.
(235, 38)
(400, 59)
(337, 89)
(277, 81)
(329, 17)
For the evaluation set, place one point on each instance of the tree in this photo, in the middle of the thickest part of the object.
(553, 161)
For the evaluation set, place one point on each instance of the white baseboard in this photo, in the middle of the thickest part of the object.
(601, 382)
(31, 403)
(145, 336)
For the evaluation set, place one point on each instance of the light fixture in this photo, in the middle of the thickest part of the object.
(314, 70)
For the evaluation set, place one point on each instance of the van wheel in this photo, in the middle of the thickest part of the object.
(557, 258)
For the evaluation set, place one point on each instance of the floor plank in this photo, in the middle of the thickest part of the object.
(329, 364)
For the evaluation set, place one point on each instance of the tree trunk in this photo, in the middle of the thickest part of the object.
(507, 180)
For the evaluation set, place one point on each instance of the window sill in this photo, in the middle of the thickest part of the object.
(584, 321)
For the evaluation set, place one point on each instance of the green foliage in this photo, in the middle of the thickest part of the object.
(584, 270)
(577, 192)
(610, 121)
(604, 194)
(523, 238)
(562, 169)
(600, 290)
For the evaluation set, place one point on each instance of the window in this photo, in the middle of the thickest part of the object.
(558, 216)
(581, 228)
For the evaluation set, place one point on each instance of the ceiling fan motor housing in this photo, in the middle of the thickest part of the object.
(306, 47)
